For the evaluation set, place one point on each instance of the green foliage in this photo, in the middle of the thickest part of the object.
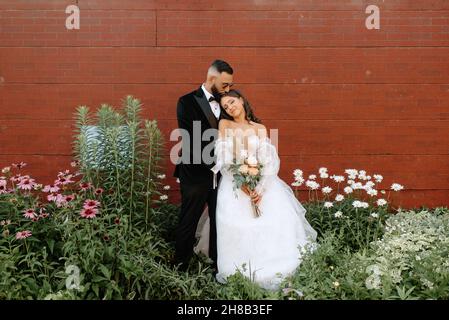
(410, 261)
(356, 227)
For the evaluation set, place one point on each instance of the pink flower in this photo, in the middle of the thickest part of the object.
(69, 197)
(30, 214)
(98, 191)
(23, 234)
(60, 200)
(26, 184)
(64, 180)
(91, 204)
(16, 178)
(43, 215)
(51, 188)
(64, 173)
(19, 165)
(89, 213)
(2, 186)
(75, 163)
(85, 185)
(51, 197)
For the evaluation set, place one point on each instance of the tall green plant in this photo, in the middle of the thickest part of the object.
(121, 152)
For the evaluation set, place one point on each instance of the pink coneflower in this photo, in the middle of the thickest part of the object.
(117, 220)
(43, 215)
(26, 184)
(16, 178)
(64, 180)
(2, 186)
(51, 188)
(19, 165)
(89, 213)
(60, 200)
(91, 204)
(64, 173)
(51, 197)
(85, 185)
(23, 234)
(69, 197)
(35, 219)
(98, 191)
(30, 214)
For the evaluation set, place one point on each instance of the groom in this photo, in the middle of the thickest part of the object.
(199, 108)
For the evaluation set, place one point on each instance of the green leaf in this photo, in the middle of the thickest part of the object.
(106, 271)
(51, 244)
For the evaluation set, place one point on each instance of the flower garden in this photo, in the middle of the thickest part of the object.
(104, 229)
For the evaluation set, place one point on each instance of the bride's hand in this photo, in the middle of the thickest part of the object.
(255, 197)
(246, 190)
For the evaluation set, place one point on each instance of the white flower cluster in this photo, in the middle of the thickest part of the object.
(360, 204)
(356, 180)
(299, 180)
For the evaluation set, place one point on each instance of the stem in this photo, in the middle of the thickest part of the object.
(117, 177)
(132, 180)
(147, 202)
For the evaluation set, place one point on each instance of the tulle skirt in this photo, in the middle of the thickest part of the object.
(266, 249)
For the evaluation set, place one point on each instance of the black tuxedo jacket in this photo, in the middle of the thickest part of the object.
(195, 107)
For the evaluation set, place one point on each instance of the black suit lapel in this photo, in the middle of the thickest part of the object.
(205, 106)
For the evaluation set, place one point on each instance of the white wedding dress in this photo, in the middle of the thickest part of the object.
(267, 248)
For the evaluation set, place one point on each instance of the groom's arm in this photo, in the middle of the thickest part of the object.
(185, 122)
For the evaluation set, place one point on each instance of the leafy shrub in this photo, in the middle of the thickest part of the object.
(410, 261)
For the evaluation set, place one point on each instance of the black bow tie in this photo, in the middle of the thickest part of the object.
(212, 98)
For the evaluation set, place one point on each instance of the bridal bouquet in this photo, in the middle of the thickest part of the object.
(247, 173)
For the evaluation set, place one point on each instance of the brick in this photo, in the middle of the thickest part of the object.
(97, 28)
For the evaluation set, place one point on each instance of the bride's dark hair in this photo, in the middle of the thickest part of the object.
(249, 114)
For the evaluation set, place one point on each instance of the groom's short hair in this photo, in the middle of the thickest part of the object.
(221, 66)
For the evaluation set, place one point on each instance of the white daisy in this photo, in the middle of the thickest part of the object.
(378, 178)
(348, 190)
(396, 187)
(326, 190)
(312, 184)
(328, 204)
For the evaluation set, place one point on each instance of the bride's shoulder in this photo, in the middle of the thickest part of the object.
(261, 130)
(223, 127)
(224, 122)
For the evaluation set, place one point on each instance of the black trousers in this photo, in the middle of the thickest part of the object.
(194, 198)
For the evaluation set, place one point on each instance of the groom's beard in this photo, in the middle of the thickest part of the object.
(216, 93)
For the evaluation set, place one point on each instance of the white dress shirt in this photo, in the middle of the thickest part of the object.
(213, 104)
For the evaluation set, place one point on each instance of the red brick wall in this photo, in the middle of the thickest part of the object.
(341, 95)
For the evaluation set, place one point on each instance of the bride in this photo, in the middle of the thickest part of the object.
(268, 247)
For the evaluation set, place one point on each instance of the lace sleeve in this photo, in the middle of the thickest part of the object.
(268, 157)
(224, 157)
